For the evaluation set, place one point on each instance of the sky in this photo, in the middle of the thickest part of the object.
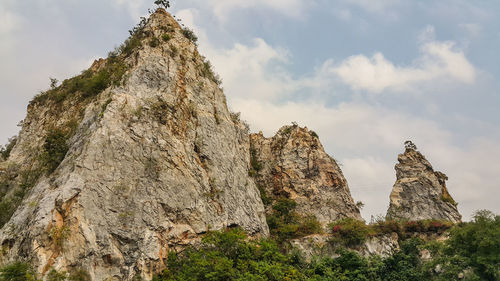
(364, 75)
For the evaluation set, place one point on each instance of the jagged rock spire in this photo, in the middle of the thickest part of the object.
(152, 159)
(293, 164)
(420, 192)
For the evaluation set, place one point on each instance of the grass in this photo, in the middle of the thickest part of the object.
(189, 34)
(166, 37)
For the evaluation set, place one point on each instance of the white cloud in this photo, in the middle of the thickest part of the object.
(364, 137)
(379, 6)
(472, 29)
(438, 60)
(292, 8)
(366, 140)
(9, 22)
(136, 8)
(246, 70)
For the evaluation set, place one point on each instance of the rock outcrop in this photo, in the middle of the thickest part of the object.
(115, 179)
(293, 164)
(420, 192)
(320, 245)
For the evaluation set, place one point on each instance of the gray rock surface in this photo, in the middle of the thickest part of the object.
(420, 192)
(293, 164)
(154, 163)
(318, 245)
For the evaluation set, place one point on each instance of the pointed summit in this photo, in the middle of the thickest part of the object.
(420, 192)
(294, 165)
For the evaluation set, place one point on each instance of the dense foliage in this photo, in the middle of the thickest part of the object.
(471, 253)
(55, 149)
(285, 223)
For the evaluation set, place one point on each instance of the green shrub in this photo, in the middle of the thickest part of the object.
(166, 37)
(404, 264)
(79, 275)
(88, 84)
(130, 45)
(154, 42)
(285, 223)
(266, 199)
(56, 276)
(9, 203)
(5, 151)
(349, 232)
(17, 272)
(207, 72)
(478, 243)
(309, 225)
(448, 199)
(386, 227)
(55, 149)
(227, 255)
(255, 165)
(189, 34)
(7, 209)
(173, 50)
(348, 266)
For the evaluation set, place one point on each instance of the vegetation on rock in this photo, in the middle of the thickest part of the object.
(285, 223)
(5, 151)
(471, 253)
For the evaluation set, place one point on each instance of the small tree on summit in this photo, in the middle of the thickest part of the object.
(410, 145)
(163, 4)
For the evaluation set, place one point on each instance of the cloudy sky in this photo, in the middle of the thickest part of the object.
(365, 75)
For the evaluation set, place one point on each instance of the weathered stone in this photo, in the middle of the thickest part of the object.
(319, 245)
(419, 192)
(154, 164)
(293, 164)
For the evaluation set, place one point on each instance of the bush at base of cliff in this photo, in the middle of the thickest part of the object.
(349, 232)
(285, 223)
(473, 250)
(228, 256)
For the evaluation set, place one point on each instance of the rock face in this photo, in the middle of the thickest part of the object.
(293, 164)
(154, 161)
(419, 192)
(319, 245)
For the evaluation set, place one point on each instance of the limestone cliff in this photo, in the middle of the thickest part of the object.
(293, 164)
(420, 192)
(136, 157)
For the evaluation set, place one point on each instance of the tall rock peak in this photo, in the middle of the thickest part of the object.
(136, 157)
(420, 192)
(293, 164)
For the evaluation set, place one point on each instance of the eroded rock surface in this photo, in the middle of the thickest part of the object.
(420, 192)
(154, 162)
(320, 245)
(293, 164)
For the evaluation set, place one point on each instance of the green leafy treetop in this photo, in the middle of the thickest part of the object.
(163, 4)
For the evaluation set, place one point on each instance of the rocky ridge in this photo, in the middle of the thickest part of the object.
(139, 156)
(151, 163)
(293, 164)
(420, 193)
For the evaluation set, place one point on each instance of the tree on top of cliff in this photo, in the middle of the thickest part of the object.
(410, 145)
(163, 3)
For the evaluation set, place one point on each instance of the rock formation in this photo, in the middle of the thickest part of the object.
(293, 164)
(320, 245)
(419, 192)
(116, 173)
